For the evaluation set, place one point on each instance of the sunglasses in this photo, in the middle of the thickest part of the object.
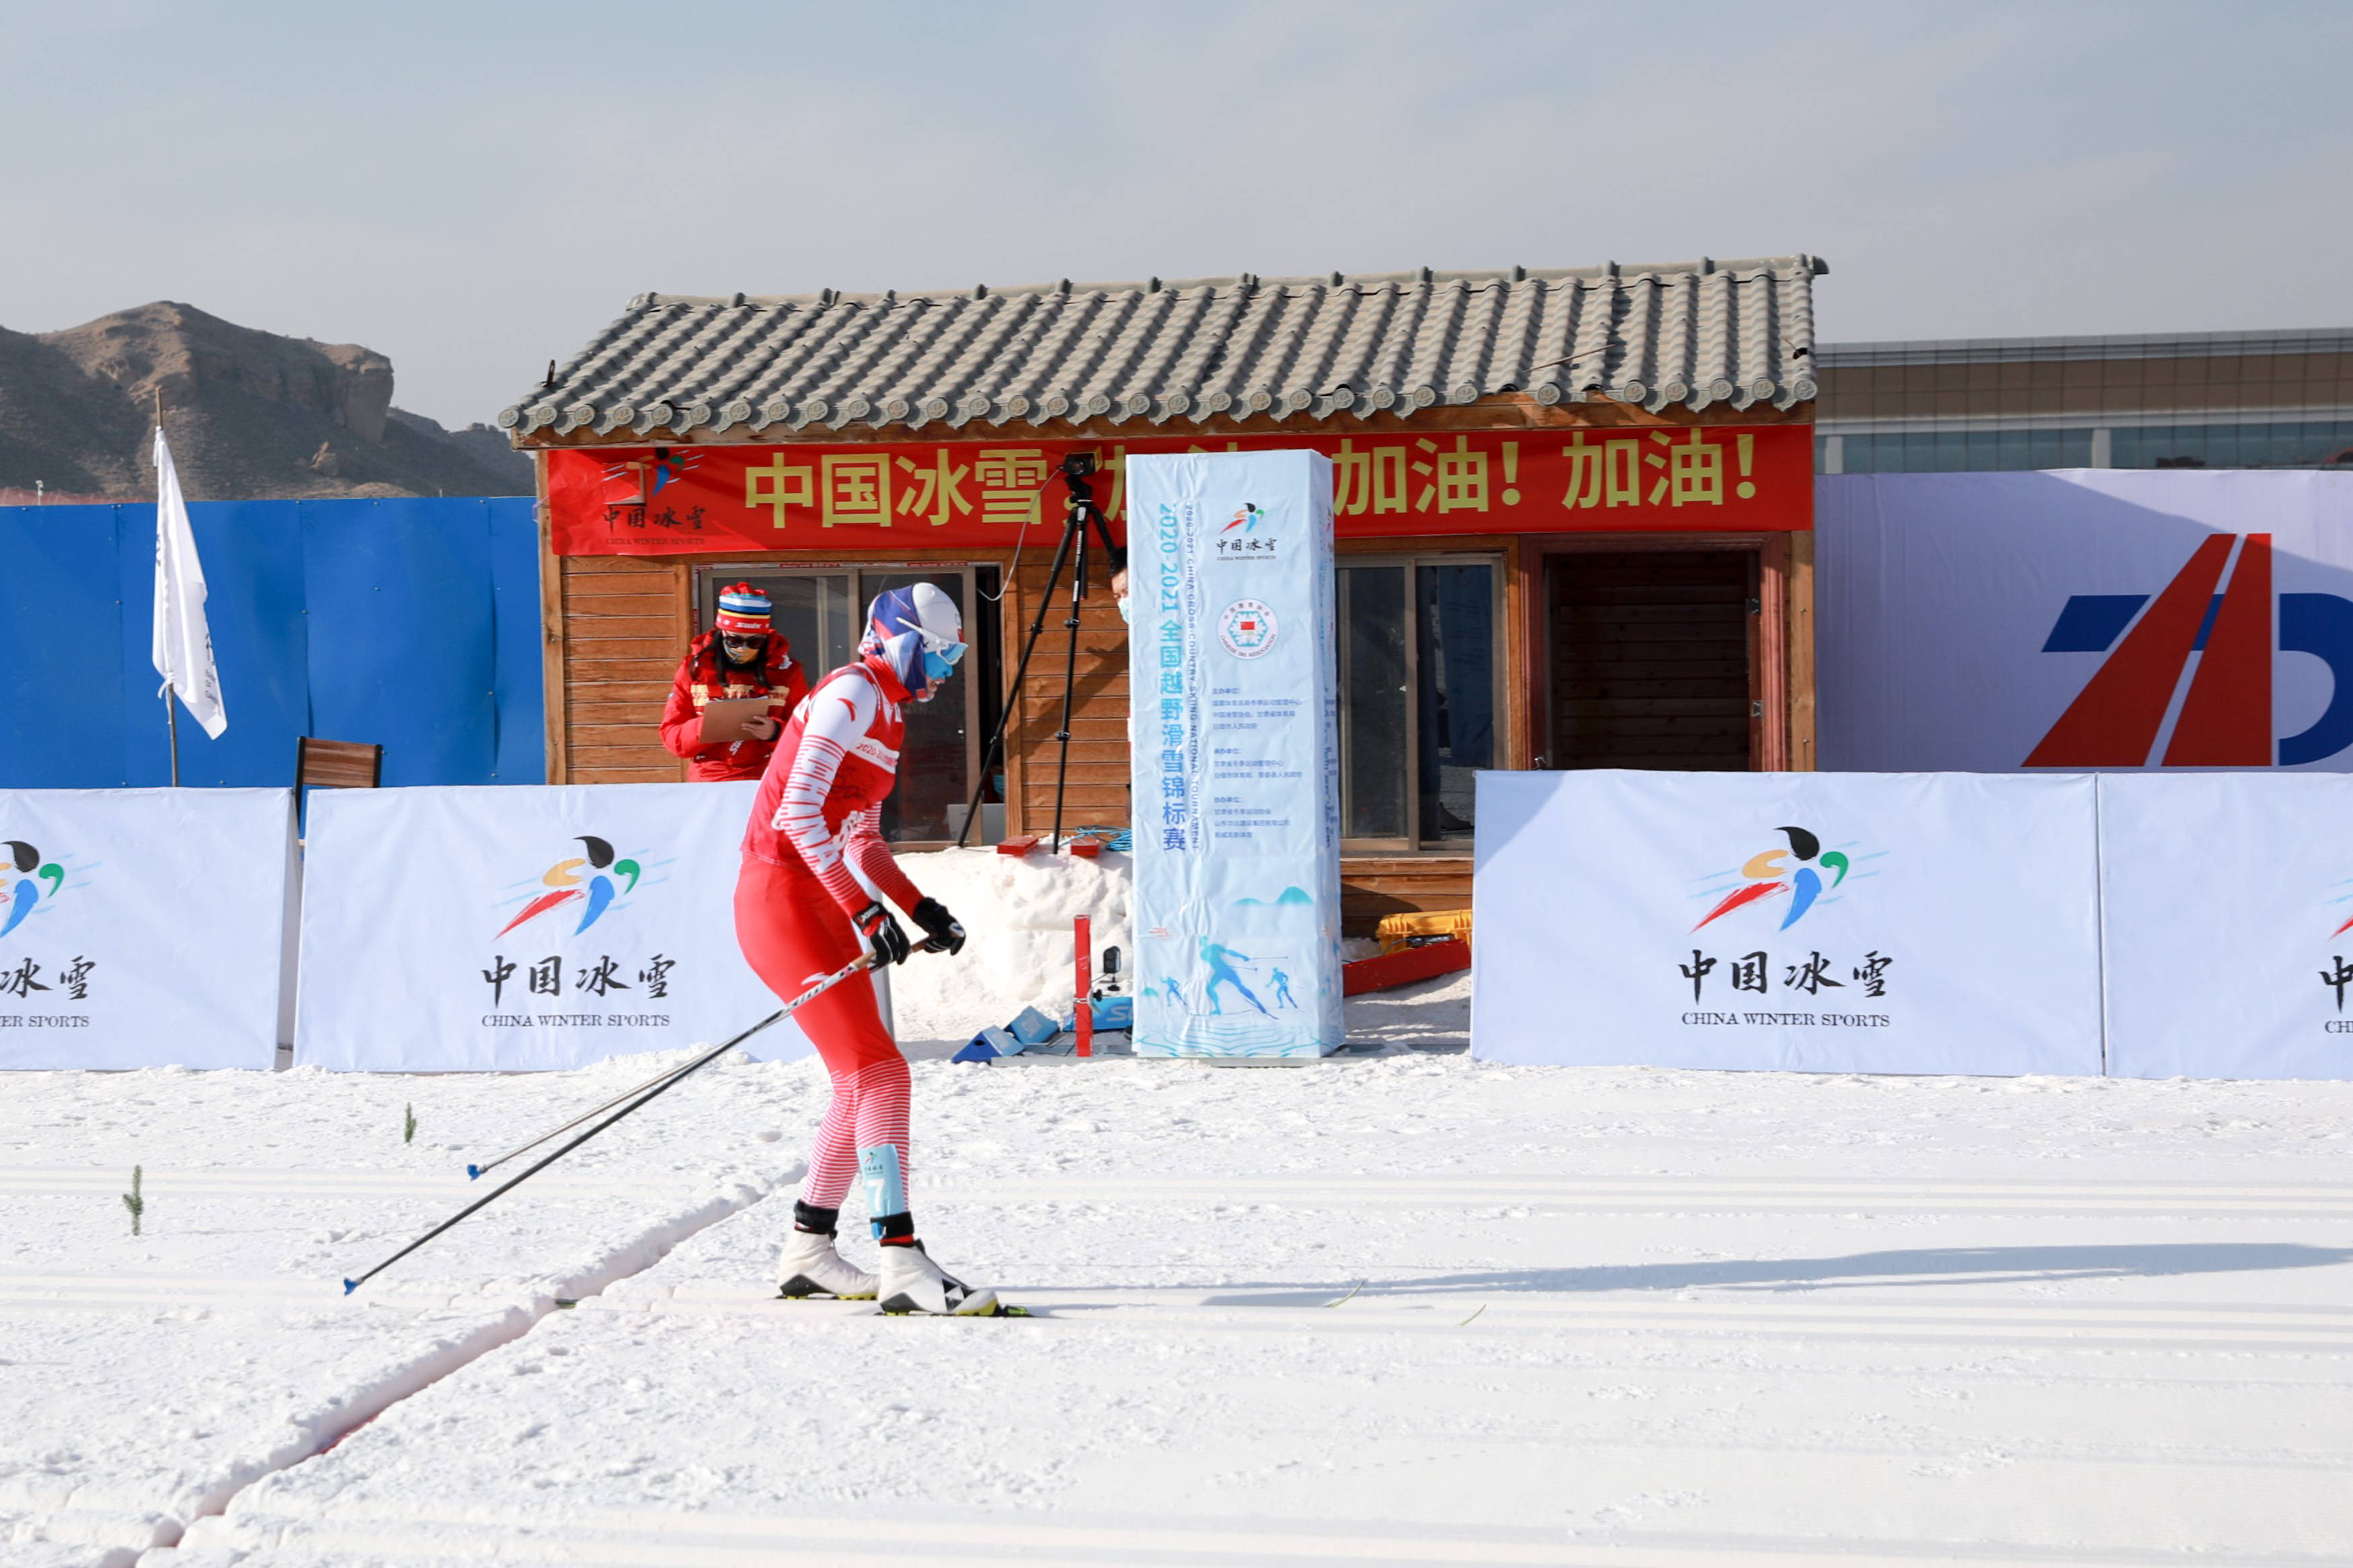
(947, 651)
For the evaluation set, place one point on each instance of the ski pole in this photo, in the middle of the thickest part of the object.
(474, 1172)
(863, 962)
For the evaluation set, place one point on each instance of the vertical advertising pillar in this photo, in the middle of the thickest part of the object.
(1233, 679)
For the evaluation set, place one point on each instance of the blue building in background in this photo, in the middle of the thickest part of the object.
(411, 624)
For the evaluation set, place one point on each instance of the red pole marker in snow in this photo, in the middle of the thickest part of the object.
(1084, 1014)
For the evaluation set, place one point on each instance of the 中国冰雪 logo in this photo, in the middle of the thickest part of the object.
(584, 881)
(22, 882)
(1770, 872)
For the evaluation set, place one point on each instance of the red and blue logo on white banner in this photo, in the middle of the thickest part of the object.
(495, 928)
(144, 927)
(1809, 922)
(2235, 628)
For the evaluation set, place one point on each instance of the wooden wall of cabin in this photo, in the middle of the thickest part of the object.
(624, 622)
(1097, 789)
(619, 626)
(616, 626)
(1798, 611)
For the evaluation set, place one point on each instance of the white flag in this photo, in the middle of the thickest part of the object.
(183, 645)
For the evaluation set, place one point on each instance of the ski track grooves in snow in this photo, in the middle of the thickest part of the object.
(630, 1539)
(1605, 1194)
(337, 1416)
(47, 1181)
(1242, 1309)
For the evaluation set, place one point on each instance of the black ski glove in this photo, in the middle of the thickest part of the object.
(945, 935)
(882, 934)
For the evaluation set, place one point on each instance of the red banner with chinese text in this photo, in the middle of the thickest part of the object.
(664, 501)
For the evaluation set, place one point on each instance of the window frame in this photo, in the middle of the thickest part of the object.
(708, 578)
(1498, 563)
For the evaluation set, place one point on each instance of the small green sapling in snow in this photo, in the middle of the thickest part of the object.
(409, 1130)
(134, 1201)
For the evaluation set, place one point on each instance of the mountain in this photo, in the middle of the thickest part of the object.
(251, 415)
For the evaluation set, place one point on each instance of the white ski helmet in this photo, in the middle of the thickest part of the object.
(918, 633)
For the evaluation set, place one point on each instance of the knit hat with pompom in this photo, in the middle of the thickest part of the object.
(742, 609)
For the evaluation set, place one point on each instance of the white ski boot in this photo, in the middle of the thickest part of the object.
(809, 1265)
(912, 1282)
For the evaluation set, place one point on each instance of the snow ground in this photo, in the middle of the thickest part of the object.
(1393, 1307)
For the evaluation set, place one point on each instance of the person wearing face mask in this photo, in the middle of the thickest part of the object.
(1119, 591)
(741, 655)
(801, 914)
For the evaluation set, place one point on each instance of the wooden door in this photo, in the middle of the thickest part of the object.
(1651, 654)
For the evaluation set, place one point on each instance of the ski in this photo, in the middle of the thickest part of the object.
(997, 1309)
(864, 1307)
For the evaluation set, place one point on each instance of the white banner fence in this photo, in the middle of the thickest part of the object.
(144, 927)
(2227, 902)
(2140, 925)
(499, 926)
(1814, 923)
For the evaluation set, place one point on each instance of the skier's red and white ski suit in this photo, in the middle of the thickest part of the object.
(815, 815)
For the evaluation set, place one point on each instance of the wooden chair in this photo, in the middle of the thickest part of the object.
(337, 764)
(331, 765)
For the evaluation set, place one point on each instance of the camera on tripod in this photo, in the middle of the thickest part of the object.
(1083, 520)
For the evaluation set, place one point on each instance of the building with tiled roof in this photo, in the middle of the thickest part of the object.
(1189, 354)
(1574, 510)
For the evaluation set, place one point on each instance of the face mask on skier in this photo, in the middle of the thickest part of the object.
(918, 634)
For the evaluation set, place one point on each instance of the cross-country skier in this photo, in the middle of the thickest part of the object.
(1282, 989)
(1221, 973)
(801, 914)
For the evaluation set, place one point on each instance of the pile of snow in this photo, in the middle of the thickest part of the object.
(1017, 910)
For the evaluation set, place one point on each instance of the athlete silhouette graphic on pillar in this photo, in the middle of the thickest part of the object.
(1221, 973)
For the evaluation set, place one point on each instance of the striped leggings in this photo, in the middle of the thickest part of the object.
(794, 934)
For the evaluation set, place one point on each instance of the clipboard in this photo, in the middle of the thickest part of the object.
(724, 718)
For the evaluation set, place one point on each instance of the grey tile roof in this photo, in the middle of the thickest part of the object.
(1697, 333)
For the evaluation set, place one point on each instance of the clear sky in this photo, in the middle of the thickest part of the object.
(475, 189)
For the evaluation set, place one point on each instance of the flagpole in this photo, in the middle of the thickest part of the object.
(171, 719)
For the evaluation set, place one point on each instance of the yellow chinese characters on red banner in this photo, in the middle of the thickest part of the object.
(914, 495)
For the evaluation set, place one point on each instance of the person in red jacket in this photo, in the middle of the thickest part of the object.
(740, 657)
(802, 912)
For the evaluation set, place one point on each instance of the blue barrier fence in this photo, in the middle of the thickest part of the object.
(411, 624)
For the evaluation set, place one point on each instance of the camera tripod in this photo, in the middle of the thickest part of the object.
(1078, 474)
